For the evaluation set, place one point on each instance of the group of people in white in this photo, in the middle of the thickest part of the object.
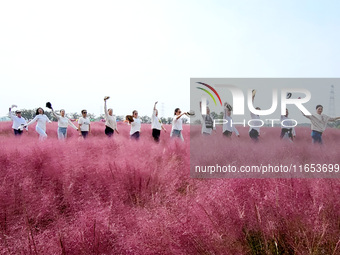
(84, 123)
(318, 124)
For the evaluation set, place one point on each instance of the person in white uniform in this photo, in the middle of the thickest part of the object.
(319, 123)
(41, 120)
(63, 123)
(156, 124)
(19, 123)
(228, 127)
(84, 123)
(177, 122)
(110, 120)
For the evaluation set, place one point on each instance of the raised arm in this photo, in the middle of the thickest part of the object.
(154, 111)
(201, 110)
(105, 108)
(32, 121)
(10, 114)
(55, 114)
(184, 113)
(226, 110)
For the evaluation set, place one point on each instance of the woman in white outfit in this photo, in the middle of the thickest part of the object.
(156, 124)
(110, 120)
(63, 123)
(319, 123)
(41, 120)
(136, 125)
(177, 122)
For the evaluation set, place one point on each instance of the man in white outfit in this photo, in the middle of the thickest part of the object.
(19, 123)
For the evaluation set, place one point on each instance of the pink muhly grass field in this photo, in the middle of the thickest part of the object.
(270, 149)
(116, 196)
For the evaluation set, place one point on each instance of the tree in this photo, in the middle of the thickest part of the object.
(91, 116)
(163, 120)
(74, 115)
(214, 115)
(145, 119)
(101, 117)
(169, 120)
(120, 118)
(28, 114)
(50, 116)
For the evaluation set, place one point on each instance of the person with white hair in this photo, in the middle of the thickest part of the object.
(19, 123)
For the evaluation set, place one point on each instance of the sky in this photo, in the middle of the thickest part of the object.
(73, 53)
